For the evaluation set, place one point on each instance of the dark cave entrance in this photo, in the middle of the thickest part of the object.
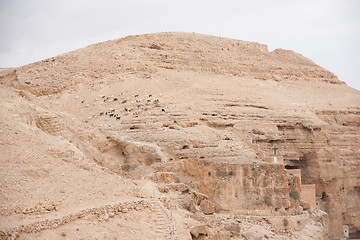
(292, 167)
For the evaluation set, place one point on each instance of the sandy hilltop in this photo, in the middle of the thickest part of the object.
(170, 136)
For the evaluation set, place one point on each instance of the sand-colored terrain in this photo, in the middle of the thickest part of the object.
(170, 136)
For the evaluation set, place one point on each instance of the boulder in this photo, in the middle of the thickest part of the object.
(199, 232)
(207, 207)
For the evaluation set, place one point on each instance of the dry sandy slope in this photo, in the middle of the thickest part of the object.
(61, 154)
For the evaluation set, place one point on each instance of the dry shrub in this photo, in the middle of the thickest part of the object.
(294, 194)
(268, 201)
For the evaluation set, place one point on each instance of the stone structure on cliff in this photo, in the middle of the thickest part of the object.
(175, 132)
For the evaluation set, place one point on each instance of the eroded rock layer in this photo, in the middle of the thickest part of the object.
(180, 127)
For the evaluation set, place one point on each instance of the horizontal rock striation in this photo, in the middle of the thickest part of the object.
(187, 119)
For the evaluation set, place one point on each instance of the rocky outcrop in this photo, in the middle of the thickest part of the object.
(240, 188)
(191, 119)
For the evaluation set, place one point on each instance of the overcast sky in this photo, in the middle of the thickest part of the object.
(326, 31)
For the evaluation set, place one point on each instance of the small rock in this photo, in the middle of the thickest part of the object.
(50, 208)
(233, 228)
(299, 210)
(198, 231)
(207, 207)
(305, 205)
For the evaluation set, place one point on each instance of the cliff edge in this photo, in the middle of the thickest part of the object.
(171, 135)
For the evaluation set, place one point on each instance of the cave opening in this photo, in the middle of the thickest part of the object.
(323, 196)
(292, 167)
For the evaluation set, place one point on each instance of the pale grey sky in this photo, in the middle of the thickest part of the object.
(326, 31)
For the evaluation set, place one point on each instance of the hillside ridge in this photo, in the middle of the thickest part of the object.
(181, 127)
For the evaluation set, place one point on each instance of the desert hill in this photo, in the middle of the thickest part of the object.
(170, 135)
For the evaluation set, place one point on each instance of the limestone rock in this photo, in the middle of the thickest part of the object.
(233, 228)
(207, 207)
(197, 113)
(199, 232)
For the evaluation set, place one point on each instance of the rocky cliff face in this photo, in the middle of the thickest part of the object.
(187, 119)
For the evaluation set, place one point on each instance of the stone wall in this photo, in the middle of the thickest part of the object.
(308, 194)
(308, 191)
(295, 172)
(235, 187)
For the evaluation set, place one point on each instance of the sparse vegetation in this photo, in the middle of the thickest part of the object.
(294, 194)
(268, 201)
(225, 174)
(129, 167)
(285, 222)
(149, 158)
(213, 145)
